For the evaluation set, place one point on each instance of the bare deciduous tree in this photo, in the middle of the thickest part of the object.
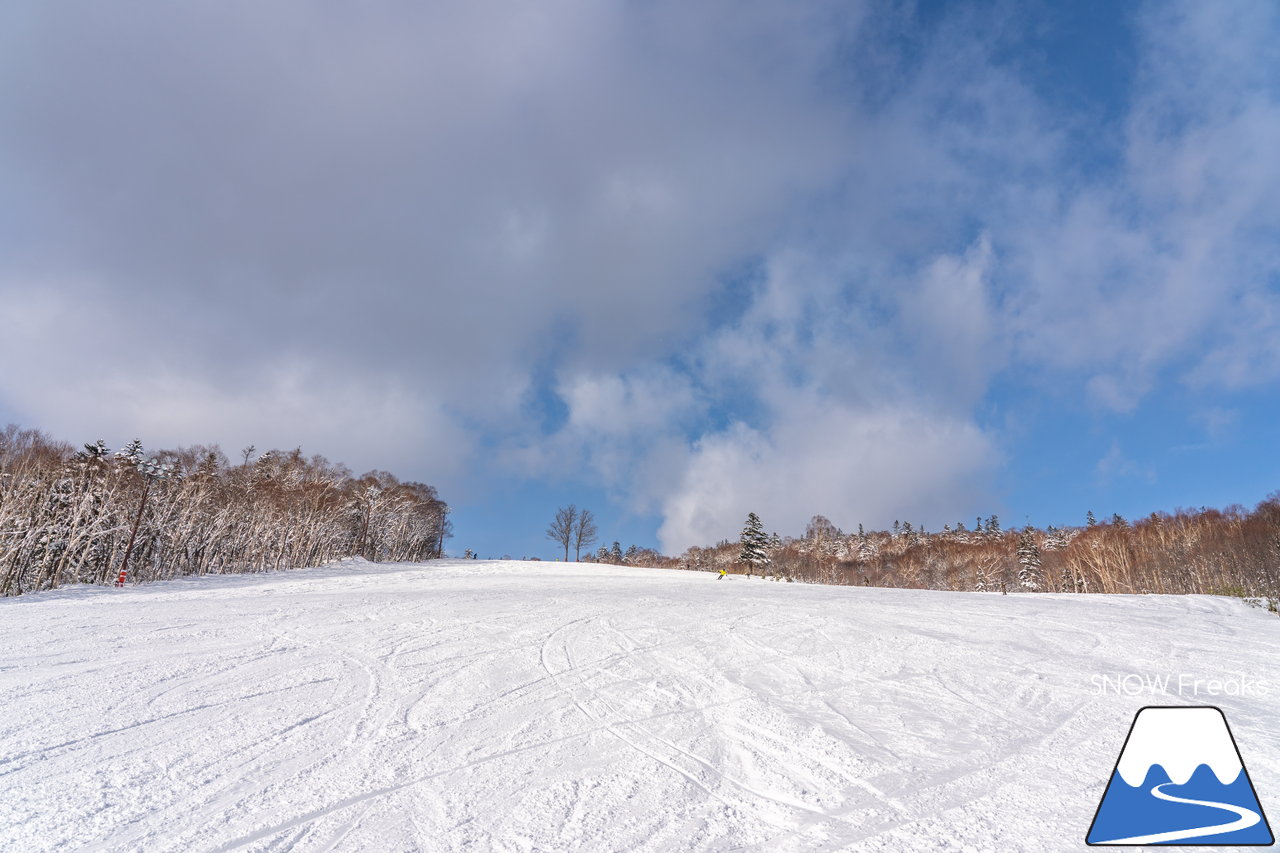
(67, 517)
(584, 533)
(561, 529)
(1232, 551)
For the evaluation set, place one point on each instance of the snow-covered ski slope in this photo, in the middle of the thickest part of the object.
(514, 706)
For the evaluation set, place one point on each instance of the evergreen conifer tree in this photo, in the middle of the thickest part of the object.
(864, 544)
(97, 451)
(754, 544)
(1030, 576)
(131, 452)
(1069, 583)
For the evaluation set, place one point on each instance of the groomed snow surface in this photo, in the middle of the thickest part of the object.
(509, 706)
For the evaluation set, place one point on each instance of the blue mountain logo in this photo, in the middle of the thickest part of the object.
(1180, 780)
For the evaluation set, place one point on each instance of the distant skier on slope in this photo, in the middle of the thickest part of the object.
(723, 572)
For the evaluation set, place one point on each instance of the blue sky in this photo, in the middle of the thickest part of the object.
(673, 262)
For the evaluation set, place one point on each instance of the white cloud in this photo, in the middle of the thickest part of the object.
(835, 428)
(113, 384)
(1216, 421)
(1115, 465)
(1165, 263)
(948, 318)
(854, 466)
(611, 404)
(254, 223)
(449, 194)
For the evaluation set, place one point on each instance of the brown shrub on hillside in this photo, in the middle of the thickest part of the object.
(1232, 551)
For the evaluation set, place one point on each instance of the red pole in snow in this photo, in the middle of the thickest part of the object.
(124, 565)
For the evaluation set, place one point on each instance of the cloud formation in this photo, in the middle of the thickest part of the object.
(710, 257)
(432, 195)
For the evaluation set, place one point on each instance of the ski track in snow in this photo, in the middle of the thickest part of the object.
(508, 706)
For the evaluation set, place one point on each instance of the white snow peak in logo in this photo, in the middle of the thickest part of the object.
(1180, 780)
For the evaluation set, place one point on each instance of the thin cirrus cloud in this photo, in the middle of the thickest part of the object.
(707, 257)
